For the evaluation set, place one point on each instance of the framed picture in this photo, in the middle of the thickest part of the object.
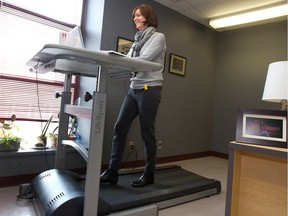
(264, 127)
(124, 45)
(177, 64)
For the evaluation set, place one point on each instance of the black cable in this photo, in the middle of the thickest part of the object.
(136, 158)
(129, 154)
(27, 194)
(40, 113)
(46, 158)
(134, 149)
(38, 98)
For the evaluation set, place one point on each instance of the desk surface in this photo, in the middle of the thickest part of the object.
(275, 151)
(261, 146)
(48, 56)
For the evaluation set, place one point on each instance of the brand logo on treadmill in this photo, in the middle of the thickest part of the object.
(99, 117)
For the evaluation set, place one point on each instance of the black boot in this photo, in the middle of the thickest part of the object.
(145, 179)
(109, 176)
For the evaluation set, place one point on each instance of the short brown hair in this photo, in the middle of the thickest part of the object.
(148, 12)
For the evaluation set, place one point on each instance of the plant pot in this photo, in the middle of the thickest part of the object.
(53, 142)
(42, 141)
(13, 146)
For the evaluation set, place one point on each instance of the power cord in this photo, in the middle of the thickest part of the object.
(27, 196)
(38, 96)
(133, 150)
(40, 113)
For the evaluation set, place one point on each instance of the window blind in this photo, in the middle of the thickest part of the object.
(29, 96)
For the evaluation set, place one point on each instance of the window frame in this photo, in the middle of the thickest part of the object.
(13, 9)
(30, 15)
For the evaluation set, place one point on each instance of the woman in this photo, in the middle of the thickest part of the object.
(142, 99)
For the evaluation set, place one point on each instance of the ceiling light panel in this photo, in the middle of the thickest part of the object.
(249, 17)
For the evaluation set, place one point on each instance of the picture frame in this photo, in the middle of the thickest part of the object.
(263, 127)
(177, 64)
(124, 45)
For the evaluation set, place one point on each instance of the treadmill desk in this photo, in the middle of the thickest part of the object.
(85, 62)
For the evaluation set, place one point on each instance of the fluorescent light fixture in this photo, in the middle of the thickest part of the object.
(249, 17)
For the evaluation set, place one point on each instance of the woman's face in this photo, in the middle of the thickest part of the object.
(139, 20)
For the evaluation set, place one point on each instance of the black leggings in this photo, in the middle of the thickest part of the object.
(145, 104)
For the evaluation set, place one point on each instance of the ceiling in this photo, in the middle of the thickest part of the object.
(203, 10)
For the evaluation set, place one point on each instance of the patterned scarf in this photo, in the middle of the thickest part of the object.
(140, 38)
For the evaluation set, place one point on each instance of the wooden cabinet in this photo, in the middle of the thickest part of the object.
(257, 180)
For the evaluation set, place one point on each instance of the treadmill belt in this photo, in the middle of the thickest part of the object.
(170, 182)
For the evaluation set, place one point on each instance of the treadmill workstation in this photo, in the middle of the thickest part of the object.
(72, 194)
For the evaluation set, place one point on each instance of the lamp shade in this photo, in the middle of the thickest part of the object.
(276, 82)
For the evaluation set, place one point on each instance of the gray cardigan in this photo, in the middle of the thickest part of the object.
(153, 50)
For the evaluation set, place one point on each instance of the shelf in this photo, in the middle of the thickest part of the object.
(78, 111)
(84, 62)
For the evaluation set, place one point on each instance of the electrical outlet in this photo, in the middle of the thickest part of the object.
(131, 145)
(160, 144)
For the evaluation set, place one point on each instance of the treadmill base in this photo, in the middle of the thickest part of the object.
(173, 186)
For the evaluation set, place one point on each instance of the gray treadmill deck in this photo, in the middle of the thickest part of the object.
(170, 182)
(173, 185)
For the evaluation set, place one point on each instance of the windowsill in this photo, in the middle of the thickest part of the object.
(34, 161)
(32, 151)
(28, 152)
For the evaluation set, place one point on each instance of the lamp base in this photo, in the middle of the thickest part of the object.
(283, 104)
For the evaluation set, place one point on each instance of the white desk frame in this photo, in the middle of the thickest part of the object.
(83, 62)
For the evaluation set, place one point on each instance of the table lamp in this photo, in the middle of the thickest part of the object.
(275, 89)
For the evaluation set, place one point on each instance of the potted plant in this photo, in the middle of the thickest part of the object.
(42, 138)
(8, 140)
(53, 139)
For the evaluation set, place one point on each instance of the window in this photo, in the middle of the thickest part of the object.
(23, 33)
(67, 11)
(26, 26)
